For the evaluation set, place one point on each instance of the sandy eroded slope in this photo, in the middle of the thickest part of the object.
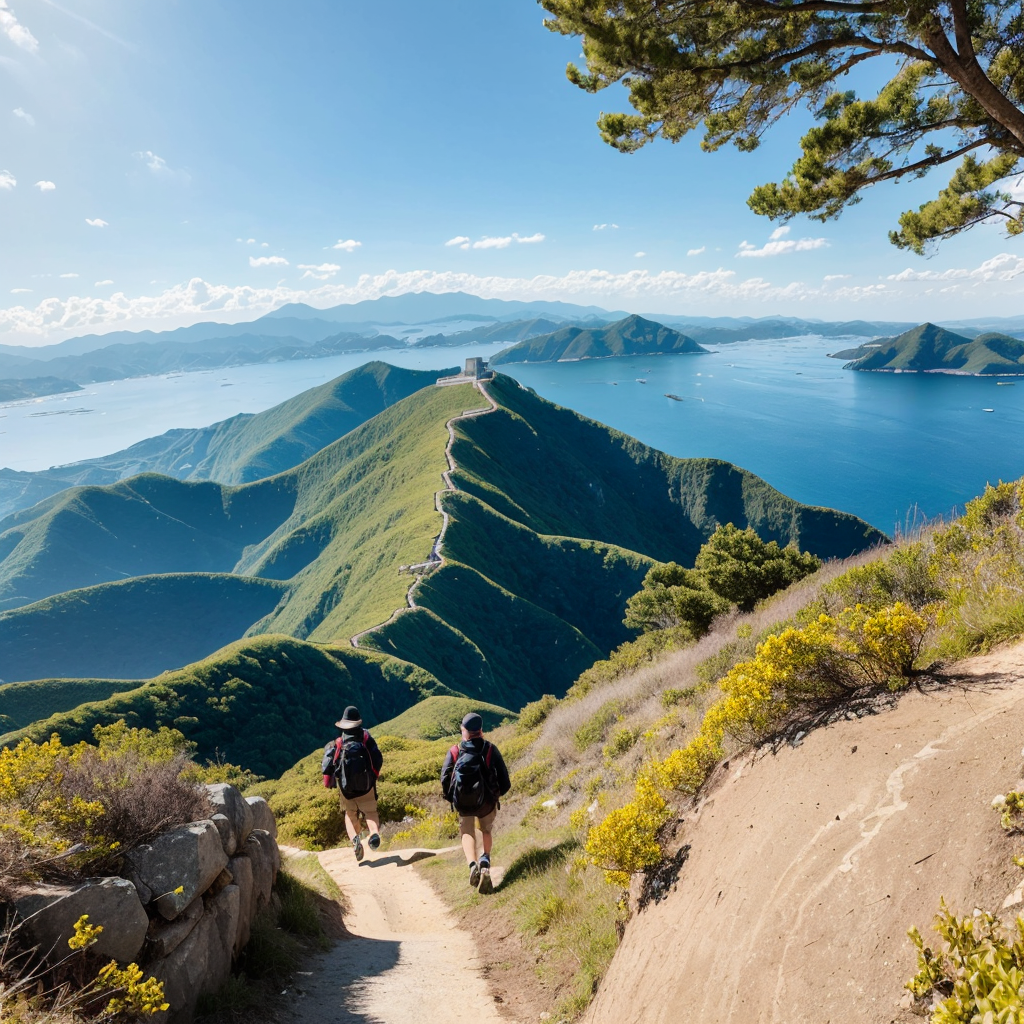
(807, 866)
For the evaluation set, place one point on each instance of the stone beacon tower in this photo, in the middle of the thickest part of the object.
(476, 369)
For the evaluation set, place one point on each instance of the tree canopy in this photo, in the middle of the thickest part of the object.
(953, 94)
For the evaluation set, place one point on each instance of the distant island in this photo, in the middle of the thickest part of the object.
(931, 349)
(34, 387)
(632, 336)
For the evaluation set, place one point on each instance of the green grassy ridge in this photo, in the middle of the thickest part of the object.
(262, 703)
(528, 650)
(436, 718)
(148, 525)
(237, 450)
(132, 629)
(21, 704)
(562, 474)
(632, 336)
(928, 347)
(553, 572)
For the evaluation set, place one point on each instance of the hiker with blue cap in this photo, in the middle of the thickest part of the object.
(473, 780)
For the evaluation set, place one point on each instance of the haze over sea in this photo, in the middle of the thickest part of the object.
(876, 444)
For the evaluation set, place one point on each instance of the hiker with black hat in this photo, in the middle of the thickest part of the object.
(473, 780)
(352, 763)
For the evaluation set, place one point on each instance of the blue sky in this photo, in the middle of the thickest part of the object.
(169, 161)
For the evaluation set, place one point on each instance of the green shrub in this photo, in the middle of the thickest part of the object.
(593, 730)
(533, 714)
(622, 742)
(978, 975)
(551, 909)
(532, 777)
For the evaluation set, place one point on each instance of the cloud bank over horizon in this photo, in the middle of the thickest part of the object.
(702, 292)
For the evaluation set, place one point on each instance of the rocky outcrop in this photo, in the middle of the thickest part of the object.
(49, 913)
(185, 906)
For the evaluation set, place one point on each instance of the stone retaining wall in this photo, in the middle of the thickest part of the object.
(184, 905)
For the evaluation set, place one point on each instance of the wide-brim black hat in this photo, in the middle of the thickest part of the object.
(350, 719)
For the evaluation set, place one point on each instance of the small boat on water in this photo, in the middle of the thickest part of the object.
(675, 398)
(988, 410)
(1006, 383)
(641, 380)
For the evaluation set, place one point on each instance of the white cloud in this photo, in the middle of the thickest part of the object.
(96, 222)
(20, 291)
(459, 240)
(1004, 267)
(320, 272)
(639, 255)
(778, 245)
(264, 245)
(26, 117)
(15, 31)
(267, 261)
(159, 167)
(503, 241)
(198, 299)
(7, 180)
(69, 275)
(45, 186)
(604, 227)
(837, 277)
(696, 252)
(348, 244)
(250, 241)
(101, 284)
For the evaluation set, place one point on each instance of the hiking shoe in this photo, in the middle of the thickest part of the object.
(486, 886)
(358, 846)
(474, 874)
(374, 841)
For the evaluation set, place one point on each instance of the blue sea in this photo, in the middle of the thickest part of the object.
(887, 447)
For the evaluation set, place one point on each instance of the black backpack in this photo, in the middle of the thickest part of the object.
(473, 783)
(347, 764)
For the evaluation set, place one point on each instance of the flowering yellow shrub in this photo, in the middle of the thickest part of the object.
(824, 660)
(134, 995)
(627, 840)
(85, 934)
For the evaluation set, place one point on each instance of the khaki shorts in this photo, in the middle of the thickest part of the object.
(367, 803)
(468, 823)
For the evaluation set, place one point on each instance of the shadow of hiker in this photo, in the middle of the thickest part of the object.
(397, 860)
(538, 859)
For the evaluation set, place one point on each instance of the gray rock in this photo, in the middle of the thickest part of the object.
(189, 859)
(241, 871)
(227, 800)
(262, 815)
(227, 833)
(50, 913)
(166, 936)
(266, 859)
(202, 963)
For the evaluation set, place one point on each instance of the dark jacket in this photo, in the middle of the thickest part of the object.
(497, 766)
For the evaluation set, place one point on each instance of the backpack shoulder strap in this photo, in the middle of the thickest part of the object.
(489, 749)
(455, 753)
(366, 744)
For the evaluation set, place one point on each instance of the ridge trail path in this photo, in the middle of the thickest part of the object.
(405, 960)
(436, 559)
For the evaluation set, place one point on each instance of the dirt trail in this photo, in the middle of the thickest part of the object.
(806, 868)
(436, 558)
(406, 960)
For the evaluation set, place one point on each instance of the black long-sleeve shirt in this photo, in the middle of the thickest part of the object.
(497, 766)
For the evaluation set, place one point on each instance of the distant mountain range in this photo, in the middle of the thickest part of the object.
(299, 331)
(928, 348)
(632, 336)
